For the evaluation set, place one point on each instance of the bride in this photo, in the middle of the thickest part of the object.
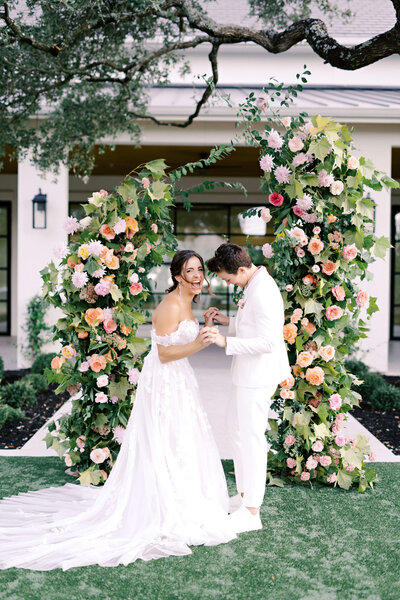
(167, 489)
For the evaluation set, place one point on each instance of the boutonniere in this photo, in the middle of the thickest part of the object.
(239, 297)
(241, 302)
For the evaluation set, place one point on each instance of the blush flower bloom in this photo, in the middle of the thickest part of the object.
(305, 476)
(326, 352)
(71, 225)
(305, 203)
(349, 252)
(331, 478)
(362, 298)
(100, 398)
(118, 433)
(266, 215)
(315, 376)
(295, 144)
(329, 267)
(266, 163)
(352, 162)
(335, 402)
(290, 440)
(305, 358)
(98, 456)
(133, 376)
(318, 446)
(315, 246)
(102, 381)
(290, 333)
(274, 140)
(340, 441)
(339, 293)
(325, 460)
(333, 312)
(311, 463)
(291, 462)
(79, 279)
(109, 325)
(102, 288)
(300, 159)
(325, 179)
(336, 188)
(267, 251)
(282, 174)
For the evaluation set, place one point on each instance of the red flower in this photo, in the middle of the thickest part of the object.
(276, 199)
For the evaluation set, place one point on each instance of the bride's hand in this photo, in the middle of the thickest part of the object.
(216, 315)
(206, 335)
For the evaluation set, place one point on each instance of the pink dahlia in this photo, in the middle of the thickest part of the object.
(79, 279)
(282, 174)
(133, 376)
(305, 202)
(325, 179)
(267, 251)
(71, 225)
(119, 433)
(274, 140)
(266, 163)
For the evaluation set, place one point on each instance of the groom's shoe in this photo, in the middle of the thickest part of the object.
(235, 502)
(242, 520)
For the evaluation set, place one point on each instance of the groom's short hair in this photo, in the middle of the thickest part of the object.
(229, 257)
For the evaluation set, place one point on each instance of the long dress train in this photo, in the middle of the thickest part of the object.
(166, 491)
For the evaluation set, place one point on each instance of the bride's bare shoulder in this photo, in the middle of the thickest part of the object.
(167, 315)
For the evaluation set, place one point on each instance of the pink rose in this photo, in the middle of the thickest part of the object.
(267, 251)
(305, 476)
(335, 402)
(318, 446)
(300, 252)
(349, 468)
(331, 478)
(154, 227)
(339, 293)
(336, 188)
(109, 325)
(100, 397)
(135, 288)
(333, 312)
(325, 460)
(296, 316)
(290, 440)
(349, 252)
(289, 287)
(68, 460)
(98, 455)
(295, 144)
(299, 212)
(315, 246)
(275, 199)
(311, 463)
(145, 183)
(291, 462)
(103, 287)
(104, 193)
(80, 441)
(329, 267)
(362, 298)
(340, 441)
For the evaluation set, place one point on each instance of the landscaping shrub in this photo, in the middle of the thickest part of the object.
(18, 394)
(374, 389)
(8, 413)
(37, 381)
(1, 368)
(42, 362)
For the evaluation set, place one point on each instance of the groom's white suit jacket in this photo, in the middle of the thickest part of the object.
(259, 352)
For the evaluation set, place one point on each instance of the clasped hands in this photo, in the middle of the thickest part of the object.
(210, 334)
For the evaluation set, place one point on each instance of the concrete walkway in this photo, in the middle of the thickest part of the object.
(212, 371)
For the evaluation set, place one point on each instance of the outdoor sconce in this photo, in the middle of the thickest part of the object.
(39, 211)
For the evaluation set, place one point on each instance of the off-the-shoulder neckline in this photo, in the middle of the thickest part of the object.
(177, 329)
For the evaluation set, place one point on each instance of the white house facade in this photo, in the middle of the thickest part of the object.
(368, 100)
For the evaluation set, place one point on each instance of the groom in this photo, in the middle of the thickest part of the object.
(259, 363)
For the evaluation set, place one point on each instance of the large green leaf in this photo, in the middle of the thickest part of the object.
(91, 476)
(344, 480)
(138, 345)
(320, 148)
(157, 167)
(119, 388)
(313, 307)
(381, 246)
(157, 190)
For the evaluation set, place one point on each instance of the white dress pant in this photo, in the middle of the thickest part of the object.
(247, 421)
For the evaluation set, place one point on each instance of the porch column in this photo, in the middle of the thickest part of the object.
(35, 246)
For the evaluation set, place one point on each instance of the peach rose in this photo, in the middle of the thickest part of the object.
(296, 370)
(349, 252)
(339, 293)
(305, 358)
(326, 352)
(111, 355)
(57, 363)
(315, 376)
(315, 246)
(107, 232)
(135, 288)
(362, 298)
(333, 312)
(310, 328)
(332, 219)
(82, 334)
(290, 332)
(97, 362)
(125, 330)
(94, 316)
(112, 261)
(287, 383)
(71, 262)
(329, 267)
(296, 316)
(132, 227)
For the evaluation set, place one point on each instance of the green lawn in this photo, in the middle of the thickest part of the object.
(321, 544)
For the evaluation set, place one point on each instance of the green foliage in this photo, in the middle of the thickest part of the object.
(1, 368)
(35, 327)
(42, 362)
(37, 381)
(8, 414)
(374, 389)
(280, 14)
(18, 394)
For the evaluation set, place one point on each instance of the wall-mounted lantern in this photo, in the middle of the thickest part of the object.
(39, 211)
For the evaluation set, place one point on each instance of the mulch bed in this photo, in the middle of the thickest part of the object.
(14, 435)
(383, 425)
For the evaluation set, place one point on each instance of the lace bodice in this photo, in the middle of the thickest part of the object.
(186, 332)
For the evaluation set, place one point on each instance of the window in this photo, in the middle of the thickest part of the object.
(5, 274)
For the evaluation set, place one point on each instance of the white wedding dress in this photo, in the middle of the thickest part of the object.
(166, 491)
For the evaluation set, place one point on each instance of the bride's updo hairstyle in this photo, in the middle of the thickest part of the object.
(229, 257)
(177, 265)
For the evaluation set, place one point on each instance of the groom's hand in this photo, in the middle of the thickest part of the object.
(215, 314)
(205, 336)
